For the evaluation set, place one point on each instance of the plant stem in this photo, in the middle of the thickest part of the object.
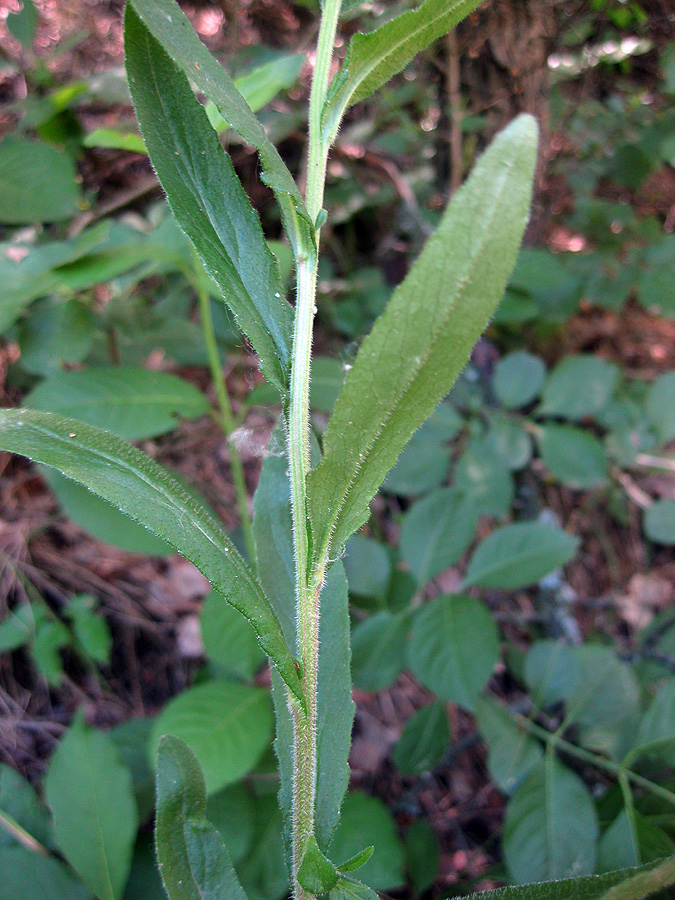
(606, 765)
(308, 584)
(226, 419)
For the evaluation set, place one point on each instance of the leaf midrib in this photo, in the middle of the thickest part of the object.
(463, 282)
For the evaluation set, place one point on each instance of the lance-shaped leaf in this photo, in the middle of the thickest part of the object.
(208, 200)
(171, 27)
(193, 860)
(372, 59)
(127, 478)
(335, 709)
(422, 341)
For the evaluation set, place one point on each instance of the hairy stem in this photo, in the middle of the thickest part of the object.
(226, 420)
(308, 584)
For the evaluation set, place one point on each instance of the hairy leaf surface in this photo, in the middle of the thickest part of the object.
(146, 492)
(193, 860)
(372, 59)
(420, 344)
(207, 198)
(171, 27)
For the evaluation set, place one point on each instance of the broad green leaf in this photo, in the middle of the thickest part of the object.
(367, 821)
(17, 628)
(378, 646)
(113, 139)
(131, 402)
(90, 794)
(551, 671)
(518, 379)
(550, 830)
(56, 333)
(453, 648)
(233, 812)
(147, 493)
(22, 24)
(578, 386)
(573, 456)
(207, 198)
(131, 739)
(661, 406)
(659, 522)
(144, 879)
(350, 889)
(632, 839)
(420, 344)
(372, 59)
(656, 734)
(37, 183)
(423, 855)
(626, 884)
(193, 860)
(483, 478)
(423, 741)
(19, 800)
(508, 440)
(227, 725)
(90, 629)
(436, 532)
(171, 27)
(604, 704)
(100, 519)
(520, 554)
(335, 709)
(262, 872)
(25, 874)
(513, 754)
(229, 640)
(421, 467)
(367, 566)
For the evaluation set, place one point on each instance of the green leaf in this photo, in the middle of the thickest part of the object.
(423, 855)
(358, 860)
(372, 59)
(227, 725)
(25, 874)
(22, 24)
(423, 741)
(316, 874)
(193, 860)
(626, 884)
(550, 828)
(551, 671)
(421, 467)
(632, 839)
(378, 645)
(57, 332)
(513, 754)
(171, 27)
(91, 797)
(366, 820)
(420, 344)
(19, 800)
(261, 85)
(350, 889)
(208, 200)
(262, 872)
(484, 479)
(147, 493)
(131, 739)
(37, 183)
(661, 406)
(91, 630)
(335, 709)
(100, 519)
(656, 734)
(453, 648)
(659, 522)
(520, 554)
(229, 640)
(578, 386)
(508, 440)
(367, 566)
(573, 456)
(17, 628)
(131, 402)
(518, 379)
(233, 812)
(436, 532)
(113, 139)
